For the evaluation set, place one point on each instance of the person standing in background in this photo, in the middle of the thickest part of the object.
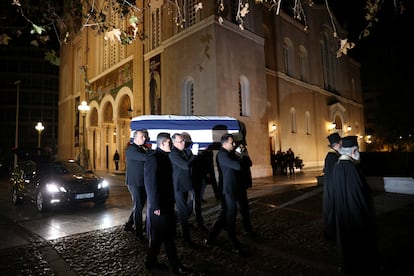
(116, 160)
(328, 211)
(290, 160)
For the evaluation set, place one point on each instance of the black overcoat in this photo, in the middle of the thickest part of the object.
(355, 216)
(229, 172)
(181, 162)
(135, 160)
(159, 182)
(328, 209)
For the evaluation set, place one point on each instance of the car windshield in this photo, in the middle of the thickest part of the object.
(71, 168)
(62, 168)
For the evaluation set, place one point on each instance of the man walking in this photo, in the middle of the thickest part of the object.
(181, 159)
(354, 212)
(233, 192)
(136, 155)
(197, 174)
(161, 221)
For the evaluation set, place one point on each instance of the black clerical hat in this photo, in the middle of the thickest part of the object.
(350, 141)
(334, 138)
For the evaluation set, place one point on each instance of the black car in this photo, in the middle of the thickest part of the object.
(56, 183)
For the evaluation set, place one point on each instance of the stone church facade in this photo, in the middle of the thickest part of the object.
(277, 75)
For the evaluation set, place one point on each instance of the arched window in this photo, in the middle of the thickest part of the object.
(288, 56)
(108, 113)
(192, 16)
(113, 52)
(353, 90)
(188, 97)
(339, 125)
(337, 112)
(155, 28)
(327, 61)
(308, 123)
(155, 93)
(93, 117)
(244, 96)
(303, 63)
(293, 120)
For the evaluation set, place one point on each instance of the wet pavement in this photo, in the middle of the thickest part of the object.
(285, 210)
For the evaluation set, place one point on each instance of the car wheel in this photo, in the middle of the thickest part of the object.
(40, 203)
(15, 197)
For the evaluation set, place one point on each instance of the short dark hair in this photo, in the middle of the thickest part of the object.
(143, 131)
(175, 135)
(225, 138)
(146, 134)
(162, 136)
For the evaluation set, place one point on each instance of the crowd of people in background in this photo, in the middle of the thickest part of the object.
(170, 181)
(284, 162)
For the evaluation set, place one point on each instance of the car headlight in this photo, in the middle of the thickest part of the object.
(103, 184)
(53, 188)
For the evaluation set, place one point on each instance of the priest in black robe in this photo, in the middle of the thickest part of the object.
(354, 212)
(328, 210)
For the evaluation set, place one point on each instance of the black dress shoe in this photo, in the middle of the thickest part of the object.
(128, 228)
(155, 265)
(208, 243)
(235, 250)
(181, 270)
(203, 227)
(189, 244)
(251, 234)
(140, 236)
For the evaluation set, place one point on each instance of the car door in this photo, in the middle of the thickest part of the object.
(30, 178)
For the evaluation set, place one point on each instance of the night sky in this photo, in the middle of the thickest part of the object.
(384, 56)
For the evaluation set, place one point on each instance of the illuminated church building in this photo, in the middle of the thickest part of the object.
(277, 71)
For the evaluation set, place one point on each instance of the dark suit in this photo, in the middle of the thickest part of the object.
(199, 171)
(181, 162)
(160, 196)
(135, 159)
(242, 199)
(206, 172)
(231, 170)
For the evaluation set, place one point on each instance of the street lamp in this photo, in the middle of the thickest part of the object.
(39, 127)
(83, 109)
(16, 136)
